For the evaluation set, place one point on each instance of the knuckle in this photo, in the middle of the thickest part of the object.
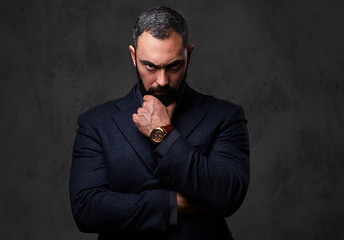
(147, 97)
(155, 101)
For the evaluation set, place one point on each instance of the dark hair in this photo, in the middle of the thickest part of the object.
(160, 22)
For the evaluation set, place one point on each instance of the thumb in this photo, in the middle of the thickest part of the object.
(170, 109)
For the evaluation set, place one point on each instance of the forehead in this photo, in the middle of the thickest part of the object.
(160, 50)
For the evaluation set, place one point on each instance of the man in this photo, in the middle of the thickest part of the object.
(163, 162)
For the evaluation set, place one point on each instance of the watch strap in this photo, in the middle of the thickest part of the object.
(167, 128)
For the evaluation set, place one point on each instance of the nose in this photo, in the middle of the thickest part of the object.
(162, 78)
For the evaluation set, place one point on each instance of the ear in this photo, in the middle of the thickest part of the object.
(132, 53)
(190, 48)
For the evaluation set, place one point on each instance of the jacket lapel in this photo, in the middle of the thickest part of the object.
(186, 118)
(122, 116)
(190, 112)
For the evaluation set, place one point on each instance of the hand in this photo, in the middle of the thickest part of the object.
(152, 114)
(186, 206)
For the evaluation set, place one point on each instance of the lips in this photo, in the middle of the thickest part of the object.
(160, 93)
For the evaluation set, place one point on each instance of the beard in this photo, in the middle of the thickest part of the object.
(166, 94)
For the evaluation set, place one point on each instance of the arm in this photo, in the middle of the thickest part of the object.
(95, 207)
(218, 181)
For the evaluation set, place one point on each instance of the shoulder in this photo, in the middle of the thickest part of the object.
(217, 106)
(106, 110)
(98, 115)
(102, 109)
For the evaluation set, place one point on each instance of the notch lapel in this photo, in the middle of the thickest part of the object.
(191, 112)
(186, 118)
(123, 119)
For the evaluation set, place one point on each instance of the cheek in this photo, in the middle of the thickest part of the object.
(176, 79)
(147, 78)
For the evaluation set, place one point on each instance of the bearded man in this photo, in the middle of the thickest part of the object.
(163, 162)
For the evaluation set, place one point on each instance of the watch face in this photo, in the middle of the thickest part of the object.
(157, 135)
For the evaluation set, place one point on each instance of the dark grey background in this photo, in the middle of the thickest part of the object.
(282, 61)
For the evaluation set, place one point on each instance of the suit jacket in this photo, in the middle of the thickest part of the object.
(119, 190)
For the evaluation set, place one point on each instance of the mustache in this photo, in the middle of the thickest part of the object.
(167, 89)
(169, 93)
(165, 94)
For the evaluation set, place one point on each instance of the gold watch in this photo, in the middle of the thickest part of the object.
(158, 134)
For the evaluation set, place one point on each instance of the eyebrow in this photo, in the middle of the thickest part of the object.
(178, 61)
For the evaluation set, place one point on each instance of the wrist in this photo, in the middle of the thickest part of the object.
(158, 134)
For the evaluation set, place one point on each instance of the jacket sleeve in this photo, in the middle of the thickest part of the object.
(95, 207)
(218, 180)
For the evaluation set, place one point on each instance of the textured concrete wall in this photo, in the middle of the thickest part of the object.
(283, 61)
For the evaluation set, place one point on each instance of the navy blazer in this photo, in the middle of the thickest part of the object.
(119, 190)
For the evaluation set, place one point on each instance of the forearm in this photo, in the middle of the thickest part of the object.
(97, 208)
(217, 186)
(217, 180)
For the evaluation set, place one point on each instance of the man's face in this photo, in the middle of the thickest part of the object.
(161, 64)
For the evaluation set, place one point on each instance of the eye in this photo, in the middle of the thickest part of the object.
(150, 67)
(175, 66)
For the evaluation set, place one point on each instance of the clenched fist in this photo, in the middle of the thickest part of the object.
(152, 114)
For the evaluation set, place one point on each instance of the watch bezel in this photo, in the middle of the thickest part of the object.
(153, 134)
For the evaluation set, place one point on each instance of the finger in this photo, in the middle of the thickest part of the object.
(140, 111)
(148, 97)
(145, 104)
(151, 99)
(151, 102)
(172, 106)
(135, 117)
(170, 109)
